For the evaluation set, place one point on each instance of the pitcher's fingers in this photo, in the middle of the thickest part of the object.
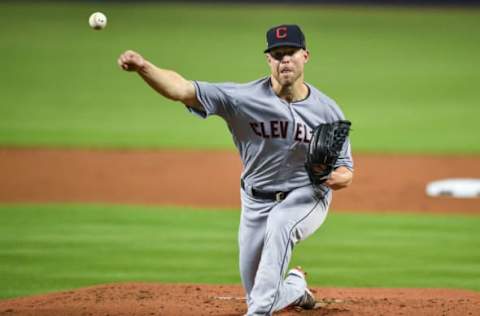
(124, 58)
(122, 65)
(128, 57)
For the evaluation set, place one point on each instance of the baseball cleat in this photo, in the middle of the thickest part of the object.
(306, 301)
(298, 271)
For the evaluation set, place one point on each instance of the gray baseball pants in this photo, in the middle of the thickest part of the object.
(268, 232)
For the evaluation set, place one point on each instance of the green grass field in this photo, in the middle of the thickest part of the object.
(407, 78)
(56, 247)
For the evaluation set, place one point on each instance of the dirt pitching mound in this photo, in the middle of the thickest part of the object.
(179, 299)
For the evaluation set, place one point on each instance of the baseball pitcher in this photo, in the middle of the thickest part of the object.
(294, 146)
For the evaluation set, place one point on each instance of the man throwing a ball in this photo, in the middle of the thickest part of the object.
(271, 121)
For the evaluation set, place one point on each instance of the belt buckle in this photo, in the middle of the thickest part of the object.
(279, 196)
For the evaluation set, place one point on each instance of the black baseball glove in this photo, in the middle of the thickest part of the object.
(324, 148)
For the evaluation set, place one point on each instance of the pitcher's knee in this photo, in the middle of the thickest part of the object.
(278, 232)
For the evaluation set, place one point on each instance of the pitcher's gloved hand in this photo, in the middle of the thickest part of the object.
(324, 149)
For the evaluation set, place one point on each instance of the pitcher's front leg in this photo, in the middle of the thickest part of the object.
(250, 242)
(276, 254)
(290, 221)
(251, 235)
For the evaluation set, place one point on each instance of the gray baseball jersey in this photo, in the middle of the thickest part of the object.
(270, 134)
(272, 138)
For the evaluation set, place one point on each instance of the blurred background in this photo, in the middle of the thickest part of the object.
(407, 75)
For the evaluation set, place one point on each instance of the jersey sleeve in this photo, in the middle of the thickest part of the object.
(345, 159)
(216, 99)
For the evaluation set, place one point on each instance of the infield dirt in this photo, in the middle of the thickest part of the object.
(211, 179)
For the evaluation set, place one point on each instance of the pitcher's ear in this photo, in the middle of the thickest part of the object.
(307, 56)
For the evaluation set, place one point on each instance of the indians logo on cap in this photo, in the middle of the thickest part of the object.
(281, 32)
(285, 35)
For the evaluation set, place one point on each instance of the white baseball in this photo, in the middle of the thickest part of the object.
(97, 21)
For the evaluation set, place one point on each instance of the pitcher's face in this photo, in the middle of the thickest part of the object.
(287, 64)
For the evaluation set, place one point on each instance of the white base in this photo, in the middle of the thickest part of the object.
(457, 188)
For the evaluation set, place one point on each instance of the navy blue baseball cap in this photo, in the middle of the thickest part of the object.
(285, 35)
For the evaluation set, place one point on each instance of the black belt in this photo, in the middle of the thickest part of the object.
(267, 195)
